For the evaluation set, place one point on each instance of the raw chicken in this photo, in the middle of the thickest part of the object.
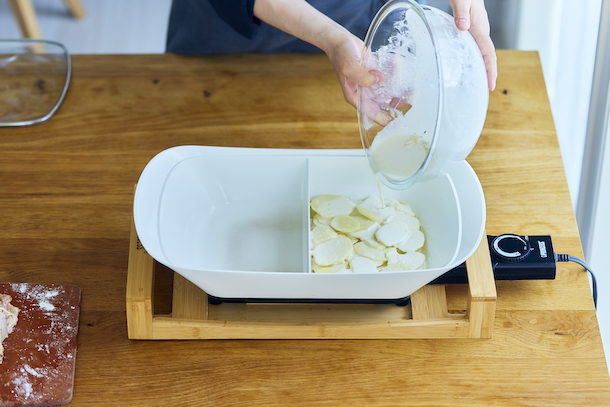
(8, 319)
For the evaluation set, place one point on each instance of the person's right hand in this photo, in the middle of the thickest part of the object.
(471, 15)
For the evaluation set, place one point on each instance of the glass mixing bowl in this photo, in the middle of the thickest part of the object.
(430, 107)
(34, 78)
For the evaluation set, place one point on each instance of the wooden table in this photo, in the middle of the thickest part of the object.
(66, 191)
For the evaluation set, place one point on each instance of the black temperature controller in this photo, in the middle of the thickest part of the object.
(513, 257)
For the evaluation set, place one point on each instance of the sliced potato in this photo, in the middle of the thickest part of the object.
(364, 250)
(345, 224)
(321, 234)
(335, 268)
(361, 264)
(407, 261)
(414, 241)
(394, 267)
(412, 221)
(320, 220)
(391, 253)
(333, 251)
(363, 237)
(371, 208)
(403, 207)
(392, 233)
(367, 227)
(330, 206)
(373, 243)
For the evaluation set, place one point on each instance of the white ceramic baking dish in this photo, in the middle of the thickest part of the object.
(235, 221)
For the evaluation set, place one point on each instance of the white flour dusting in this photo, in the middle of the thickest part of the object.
(53, 326)
(22, 386)
(46, 305)
(32, 371)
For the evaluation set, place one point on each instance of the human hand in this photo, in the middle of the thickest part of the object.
(471, 16)
(344, 51)
(301, 19)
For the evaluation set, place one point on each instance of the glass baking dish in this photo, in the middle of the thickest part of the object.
(34, 78)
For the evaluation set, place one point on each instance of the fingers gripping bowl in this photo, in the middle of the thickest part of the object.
(236, 221)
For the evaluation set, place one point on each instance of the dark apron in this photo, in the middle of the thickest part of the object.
(196, 28)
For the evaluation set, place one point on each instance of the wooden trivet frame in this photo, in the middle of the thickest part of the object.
(193, 318)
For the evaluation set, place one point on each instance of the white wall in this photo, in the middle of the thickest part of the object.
(565, 34)
(599, 248)
(566, 38)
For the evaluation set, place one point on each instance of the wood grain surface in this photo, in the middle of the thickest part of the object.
(66, 190)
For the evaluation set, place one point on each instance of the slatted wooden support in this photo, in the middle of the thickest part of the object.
(140, 280)
(193, 318)
(429, 302)
(482, 296)
(189, 301)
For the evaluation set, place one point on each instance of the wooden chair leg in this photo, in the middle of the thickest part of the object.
(24, 12)
(76, 8)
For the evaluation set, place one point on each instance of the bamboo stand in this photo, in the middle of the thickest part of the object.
(193, 318)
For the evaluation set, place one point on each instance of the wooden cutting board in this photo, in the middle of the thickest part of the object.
(40, 353)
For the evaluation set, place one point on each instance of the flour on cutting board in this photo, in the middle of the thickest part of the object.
(43, 354)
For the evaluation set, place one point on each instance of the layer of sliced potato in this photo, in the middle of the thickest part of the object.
(364, 236)
(329, 206)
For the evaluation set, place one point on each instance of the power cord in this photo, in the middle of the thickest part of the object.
(567, 257)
